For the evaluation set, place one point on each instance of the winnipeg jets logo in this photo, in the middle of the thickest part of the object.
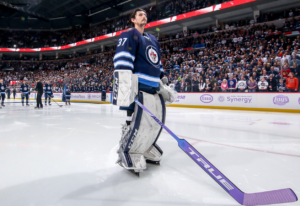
(152, 55)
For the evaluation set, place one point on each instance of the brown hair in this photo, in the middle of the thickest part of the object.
(132, 16)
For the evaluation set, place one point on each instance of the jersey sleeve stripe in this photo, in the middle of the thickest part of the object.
(124, 54)
(149, 83)
(123, 63)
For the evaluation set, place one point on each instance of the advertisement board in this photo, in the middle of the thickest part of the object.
(280, 101)
(289, 102)
(94, 97)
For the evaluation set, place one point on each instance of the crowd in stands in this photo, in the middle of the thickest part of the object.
(241, 58)
(70, 72)
(36, 39)
(252, 56)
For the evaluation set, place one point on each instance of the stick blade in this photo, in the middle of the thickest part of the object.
(270, 197)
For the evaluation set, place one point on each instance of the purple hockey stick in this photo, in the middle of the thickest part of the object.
(249, 199)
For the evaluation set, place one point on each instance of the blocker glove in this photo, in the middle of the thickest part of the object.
(168, 93)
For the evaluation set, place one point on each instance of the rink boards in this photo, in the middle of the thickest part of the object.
(277, 102)
(94, 97)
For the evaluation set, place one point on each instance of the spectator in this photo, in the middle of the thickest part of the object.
(177, 86)
(295, 60)
(264, 74)
(182, 86)
(252, 85)
(273, 72)
(292, 83)
(281, 86)
(195, 85)
(263, 85)
(242, 84)
(272, 84)
(297, 72)
(215, 87)
(187, 87)
(291, 13)
(285, 72)
(208, 86)
(202, 86)
(224, 86)
(285, 59)
(231, 84)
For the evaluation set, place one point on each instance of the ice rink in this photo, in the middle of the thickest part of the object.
(65, 156)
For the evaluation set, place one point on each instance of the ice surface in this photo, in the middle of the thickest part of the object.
(66, 156)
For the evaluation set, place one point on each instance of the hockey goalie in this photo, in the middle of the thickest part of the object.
(139, 74)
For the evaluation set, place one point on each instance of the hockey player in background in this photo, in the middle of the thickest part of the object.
(8, 91)
(24, 89)
(103, 91)
(68, 96)
(48, 93)
(2, 91)
(14, 92)
(137, 74)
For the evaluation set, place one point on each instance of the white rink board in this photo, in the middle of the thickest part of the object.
(283, 101)
(79, 97)
(242, 100)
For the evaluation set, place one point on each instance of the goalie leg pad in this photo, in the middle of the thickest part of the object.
(142, 134)
(154, 153)
(125, 87)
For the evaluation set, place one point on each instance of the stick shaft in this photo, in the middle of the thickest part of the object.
(261, 198)
(211, 170)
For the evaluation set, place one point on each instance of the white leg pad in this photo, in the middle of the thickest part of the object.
(138, 142)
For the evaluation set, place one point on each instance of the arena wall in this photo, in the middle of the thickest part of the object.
(94, 97)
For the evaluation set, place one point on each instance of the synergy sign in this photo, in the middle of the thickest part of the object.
(240, 98)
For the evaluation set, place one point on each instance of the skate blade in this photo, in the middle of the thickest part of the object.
(135, 173)
(131, 171)
(153, 162)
